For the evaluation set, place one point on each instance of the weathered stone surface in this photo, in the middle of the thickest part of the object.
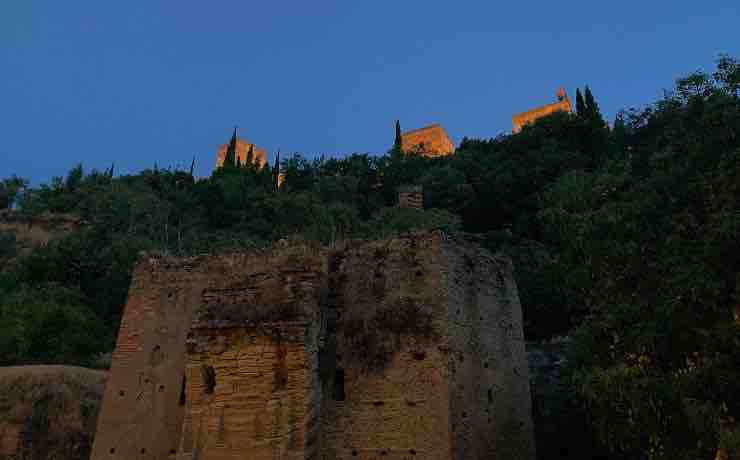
(429, 141)
(411, 197)
(520, 119)
(410, 347)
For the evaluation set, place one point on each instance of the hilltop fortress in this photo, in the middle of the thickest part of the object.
(530, 116)
(429, 141)
(403, 348)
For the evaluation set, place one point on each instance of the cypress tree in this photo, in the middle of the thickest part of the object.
(192, 166)
(592, 108)
(397, 142)
(580, 105)
(250, 156)
(276, 172)
(230, 159)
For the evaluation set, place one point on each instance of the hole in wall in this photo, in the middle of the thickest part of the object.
(412, 452)
(161, 388)
(156, 356)
(419, 273)
(182, 390)
(378, 403)
(411, 403)
(354, 453)
(173, 451)
(419, 355)
(209, 378)
(169, 295)
(143, 450)
(338, 393)
(122, 393)
(112, 450)
(485, 365)
(490, 396)
(383, 452)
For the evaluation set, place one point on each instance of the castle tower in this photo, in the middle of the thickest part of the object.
(530, 116)
(242, 149)
(409, 347)
(429, 141)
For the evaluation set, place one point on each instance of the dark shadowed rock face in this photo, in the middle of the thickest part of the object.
(48, 412)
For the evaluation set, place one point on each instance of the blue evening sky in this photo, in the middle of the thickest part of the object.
(134, 83)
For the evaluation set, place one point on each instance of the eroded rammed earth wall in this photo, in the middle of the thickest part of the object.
(141, 416)
(404, 348)
(390, 320)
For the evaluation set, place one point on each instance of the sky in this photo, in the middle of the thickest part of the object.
(142, 82)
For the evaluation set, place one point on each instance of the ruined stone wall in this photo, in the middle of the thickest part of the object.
(389, 395)
(490, 405)
(259, 399)
(519, 120)
(141, 416)
(403, 348)
(255, 342)
(411, 197)
(429, 141)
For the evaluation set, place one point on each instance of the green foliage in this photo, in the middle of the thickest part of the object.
(580, 104)
(10, 189)
(48, 324)
(397, 141)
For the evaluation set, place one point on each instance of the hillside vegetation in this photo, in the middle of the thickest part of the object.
(625, 238)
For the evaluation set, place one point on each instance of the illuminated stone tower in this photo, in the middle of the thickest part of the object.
(530, 116)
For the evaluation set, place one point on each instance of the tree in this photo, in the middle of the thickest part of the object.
(580, 105)
(398, 141)
(276, 173)
(592, 111)
(230, 158)
(250, 156)
(10, 188)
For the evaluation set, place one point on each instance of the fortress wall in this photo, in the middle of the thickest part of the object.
(256, 332)
(260, 403)
(521, 119)
(409, 347)
(490, 405)
(393, 397)
(411, 197)
(435, 141)
(141, 415)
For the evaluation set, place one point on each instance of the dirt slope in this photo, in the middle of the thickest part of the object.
(48, 412)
